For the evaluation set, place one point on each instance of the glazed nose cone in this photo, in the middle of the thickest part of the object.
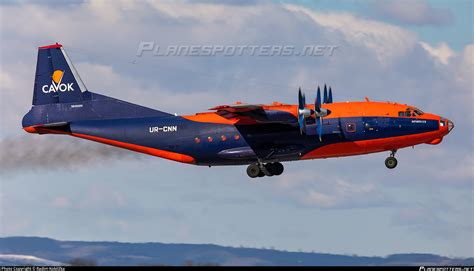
(450, 125)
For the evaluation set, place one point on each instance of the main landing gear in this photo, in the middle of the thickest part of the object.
(268, 169)
(391, 162)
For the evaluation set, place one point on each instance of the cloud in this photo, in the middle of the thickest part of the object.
(465, 69)
(459, 171)
(426, 220)
(330, 191)
(387, 41)
(412, 12)
(62, 202)
(443, 53)
(106, 80)
(97, 197)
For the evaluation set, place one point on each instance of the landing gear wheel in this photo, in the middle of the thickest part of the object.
(391, 162)
(260, 169)
(277, 168)
(254, 171)
(269, 170)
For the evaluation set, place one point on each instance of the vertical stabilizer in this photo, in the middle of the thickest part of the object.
(56, 79)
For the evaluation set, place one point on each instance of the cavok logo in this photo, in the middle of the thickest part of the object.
(56, 84)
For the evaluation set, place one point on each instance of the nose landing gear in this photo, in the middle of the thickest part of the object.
(268, 169)
(391, 162)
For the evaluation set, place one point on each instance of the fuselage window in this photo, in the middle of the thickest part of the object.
(351, 127)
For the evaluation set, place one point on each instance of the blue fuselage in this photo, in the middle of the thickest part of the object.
(222, 144)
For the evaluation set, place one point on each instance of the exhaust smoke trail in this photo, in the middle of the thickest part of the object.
(38, 153)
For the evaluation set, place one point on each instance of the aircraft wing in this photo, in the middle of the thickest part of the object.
(254, 113)
(237, 107)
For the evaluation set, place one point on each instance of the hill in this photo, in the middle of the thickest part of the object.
(39, 251)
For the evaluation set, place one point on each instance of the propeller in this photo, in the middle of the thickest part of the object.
(318, 111)
(321, 112)
(303, 112)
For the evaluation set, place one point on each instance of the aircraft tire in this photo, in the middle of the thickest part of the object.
(270, 169)
(253, 171)
(278, 168)
(391, 162)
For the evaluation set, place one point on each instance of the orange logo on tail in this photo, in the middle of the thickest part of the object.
(57, 76)
(56, 84)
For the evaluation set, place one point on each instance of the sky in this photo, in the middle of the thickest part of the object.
(419, 53)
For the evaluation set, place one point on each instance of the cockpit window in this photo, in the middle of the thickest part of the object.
(410, 112)
(418, 112)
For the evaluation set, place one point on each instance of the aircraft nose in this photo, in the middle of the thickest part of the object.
(450, 125)
(446, 122)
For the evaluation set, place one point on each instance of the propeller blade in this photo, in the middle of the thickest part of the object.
(330, 96)
(325, 100)
(300, 99)
(302, 123)
(317, 104)
(302, 111)
(320, 128)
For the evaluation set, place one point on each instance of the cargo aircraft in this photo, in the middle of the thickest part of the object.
(258, 135)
